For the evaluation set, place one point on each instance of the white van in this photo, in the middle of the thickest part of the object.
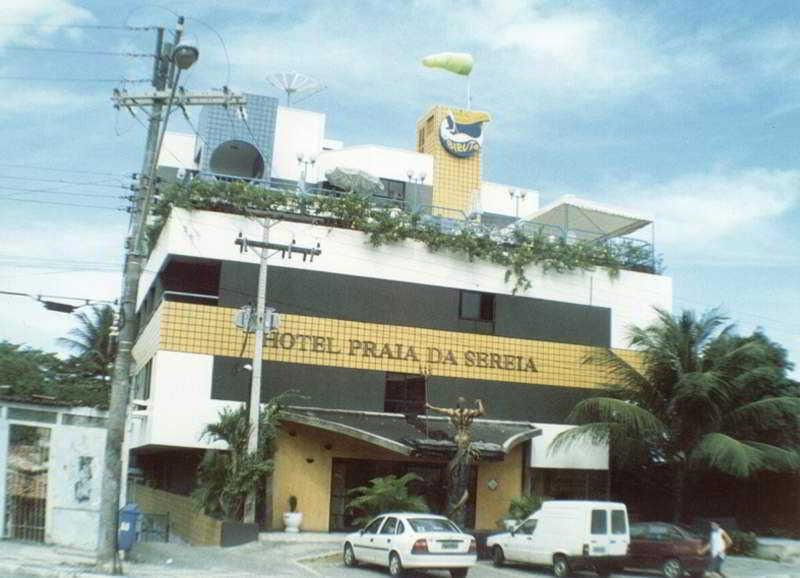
(568, 535)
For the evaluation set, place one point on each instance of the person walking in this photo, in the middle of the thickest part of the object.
(718, 543)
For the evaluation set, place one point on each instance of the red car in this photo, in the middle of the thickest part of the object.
(670, 548)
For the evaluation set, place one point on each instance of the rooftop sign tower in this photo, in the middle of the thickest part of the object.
(454, 137)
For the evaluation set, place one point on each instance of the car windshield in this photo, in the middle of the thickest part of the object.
(433, 525)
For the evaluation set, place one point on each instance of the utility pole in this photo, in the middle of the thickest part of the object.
(170, 59)
(261, 322)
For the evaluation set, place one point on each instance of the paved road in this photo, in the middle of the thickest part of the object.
(334, 569)
(736, 568)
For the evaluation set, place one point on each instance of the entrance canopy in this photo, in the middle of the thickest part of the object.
(414, 435)
(586, 220)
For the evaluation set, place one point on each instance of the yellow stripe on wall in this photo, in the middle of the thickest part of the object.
(207, 329)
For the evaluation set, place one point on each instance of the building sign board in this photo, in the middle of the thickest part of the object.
(322, 341)
(461, 132)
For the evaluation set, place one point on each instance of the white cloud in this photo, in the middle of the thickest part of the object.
(720, 215)
(38, 19)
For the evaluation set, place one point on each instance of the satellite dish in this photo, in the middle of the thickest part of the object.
(295, 83)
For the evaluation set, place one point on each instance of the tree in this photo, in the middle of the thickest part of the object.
(92, 341)
(226, 477)
(700, 397)
(26, 370)
(387, 494)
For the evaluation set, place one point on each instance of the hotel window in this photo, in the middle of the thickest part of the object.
(141, 382)
(405, 393)
(476, 306)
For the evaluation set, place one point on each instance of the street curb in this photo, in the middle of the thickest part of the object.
(15, 569)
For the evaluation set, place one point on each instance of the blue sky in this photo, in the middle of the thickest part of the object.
(685, 110)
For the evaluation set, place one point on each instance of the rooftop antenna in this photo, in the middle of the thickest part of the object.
(295, 83)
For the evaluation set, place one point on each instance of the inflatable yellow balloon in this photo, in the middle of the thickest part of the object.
(457, 62)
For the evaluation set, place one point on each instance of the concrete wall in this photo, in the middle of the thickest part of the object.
(76, 458)
(184, 519)
(296, 132)
(491, 505)
(180, 404)
(631, 296)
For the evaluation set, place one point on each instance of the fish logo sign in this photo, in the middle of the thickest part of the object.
(461, 132)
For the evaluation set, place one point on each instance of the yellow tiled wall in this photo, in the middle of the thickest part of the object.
(210, 330)
(456, 181)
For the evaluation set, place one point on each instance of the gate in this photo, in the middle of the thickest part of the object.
(26, 482)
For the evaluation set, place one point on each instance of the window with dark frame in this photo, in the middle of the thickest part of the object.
(405, 393)
(475, 306)
(395, 190)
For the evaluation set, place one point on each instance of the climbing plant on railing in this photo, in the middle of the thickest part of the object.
(513, 249)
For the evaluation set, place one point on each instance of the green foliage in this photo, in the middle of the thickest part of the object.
(515, 251)
(292, 503)
(702, 397)
(29, 371)
(387, 494)
(523, 506)
(744, 544)
(226, 477)
(91, 340)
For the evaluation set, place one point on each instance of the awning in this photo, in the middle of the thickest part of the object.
(414, 435)
(588, 220)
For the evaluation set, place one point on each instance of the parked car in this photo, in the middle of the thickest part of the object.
(567, 535)
(408, 540)
(671, 548)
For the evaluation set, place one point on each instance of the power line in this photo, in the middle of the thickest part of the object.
(64, 182)
(37, 296)
(79, 51)
(11, 196)
(76, 26)
(64, 79)
(63, 204)
(62, 170)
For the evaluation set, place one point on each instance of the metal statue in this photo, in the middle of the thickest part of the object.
(458, 468)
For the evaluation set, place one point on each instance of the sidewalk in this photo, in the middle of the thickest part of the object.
(276, 557)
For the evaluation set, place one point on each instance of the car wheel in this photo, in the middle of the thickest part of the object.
(348, 556)
(395, 565)
(560, 566)
(672, 568)
(498, 558)
(458, 572)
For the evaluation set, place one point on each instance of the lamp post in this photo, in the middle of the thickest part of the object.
(171, 60)
(417, 179)
(305, 160)
(517, 196)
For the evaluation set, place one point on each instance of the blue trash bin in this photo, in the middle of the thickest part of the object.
(128, 527)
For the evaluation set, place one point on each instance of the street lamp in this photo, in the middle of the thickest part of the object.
(184, 56)
(517, 196)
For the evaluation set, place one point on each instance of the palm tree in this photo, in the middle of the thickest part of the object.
(387, 494)
(92, 341)
(691, 402)
(226, 477)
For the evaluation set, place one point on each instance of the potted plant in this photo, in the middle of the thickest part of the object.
(292, 519)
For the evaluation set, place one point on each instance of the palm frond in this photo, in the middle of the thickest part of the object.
(729, 455)
(700, 397)
(776, 458)
(763, 413)
(636, 421)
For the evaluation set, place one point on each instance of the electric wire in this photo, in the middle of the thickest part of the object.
(77, 26)
(63, 170)
(79, 51)
(68, 79)
(63, 204)
(100, 184)
(63, 297)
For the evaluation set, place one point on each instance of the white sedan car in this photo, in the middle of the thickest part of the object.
(409, 540)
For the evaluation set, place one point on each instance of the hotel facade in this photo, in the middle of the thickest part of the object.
(368, 335)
